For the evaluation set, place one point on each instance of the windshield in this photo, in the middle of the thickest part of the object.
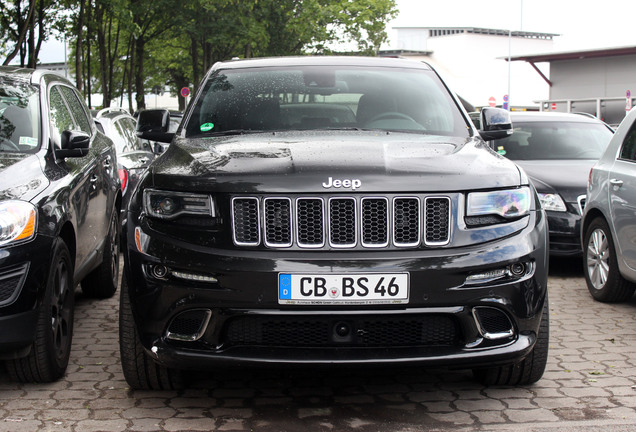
(555, 140)
(19, 117)
(325, 97)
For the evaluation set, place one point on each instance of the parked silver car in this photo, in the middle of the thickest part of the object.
(609, 225)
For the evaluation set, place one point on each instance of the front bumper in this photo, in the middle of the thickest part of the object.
(565, 233)
(24, 269)
(235, 318)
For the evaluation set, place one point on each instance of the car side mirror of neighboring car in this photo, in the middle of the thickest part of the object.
(74, 144)
(153, 125)
(495, 124)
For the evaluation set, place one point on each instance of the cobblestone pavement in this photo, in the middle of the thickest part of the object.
(589, 385)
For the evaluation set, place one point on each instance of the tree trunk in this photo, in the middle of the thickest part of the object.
(31, 59)
(139, 73)
(79, 76)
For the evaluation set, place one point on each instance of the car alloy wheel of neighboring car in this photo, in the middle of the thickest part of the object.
(601, 268)
(51, 349)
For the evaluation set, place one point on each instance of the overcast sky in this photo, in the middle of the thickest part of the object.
(581, 23)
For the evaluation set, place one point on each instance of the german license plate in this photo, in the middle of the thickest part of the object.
(318, 289)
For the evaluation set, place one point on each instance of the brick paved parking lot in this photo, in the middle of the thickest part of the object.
(589, 385)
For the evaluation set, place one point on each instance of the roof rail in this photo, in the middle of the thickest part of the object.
(112, 109)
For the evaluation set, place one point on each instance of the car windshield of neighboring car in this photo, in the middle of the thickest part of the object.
(325, 97)
(555, 140)
(19, 117)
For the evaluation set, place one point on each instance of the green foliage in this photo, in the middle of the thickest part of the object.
(134, 45)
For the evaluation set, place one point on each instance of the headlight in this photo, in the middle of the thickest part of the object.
(169, 205)
(510, 203)
(552, 202)
(18, 221)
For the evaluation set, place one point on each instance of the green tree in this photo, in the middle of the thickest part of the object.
(24, 26)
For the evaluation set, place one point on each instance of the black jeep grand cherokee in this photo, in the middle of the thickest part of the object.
(332, 211)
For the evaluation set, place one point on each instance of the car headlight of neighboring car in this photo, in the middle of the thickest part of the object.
(552, 201)
(506, 204)
(169, 205)
(18, 221)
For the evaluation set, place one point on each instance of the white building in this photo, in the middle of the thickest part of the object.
(473, 61)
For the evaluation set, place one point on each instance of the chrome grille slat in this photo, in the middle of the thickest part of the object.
(310, 231)
(246, 221)
(375, 222)
(278, 222)
(342, 222)
(437, 220)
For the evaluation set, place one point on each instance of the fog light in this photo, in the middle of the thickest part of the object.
(518, 269)
(159, 271)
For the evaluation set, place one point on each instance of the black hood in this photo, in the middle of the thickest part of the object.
(21, 176)
(567, 177)
(303, 161)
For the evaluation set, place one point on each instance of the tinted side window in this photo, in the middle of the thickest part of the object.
(77, 108)
(628, 151)
(61, 118)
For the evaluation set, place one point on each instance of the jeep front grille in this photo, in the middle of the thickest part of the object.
(341, 222)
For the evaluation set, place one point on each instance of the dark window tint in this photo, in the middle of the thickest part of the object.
(555, 140)
(326, 97)
(19, 117)
(77, 108)
(61, 118)
(628, 151)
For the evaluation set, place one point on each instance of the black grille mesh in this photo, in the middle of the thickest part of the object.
(188, 323)
(375, 222)
(310, 222)
(406, 228)
(437, 220)
(278, 221)
(342, 226)
(11, 280)
(376, 331)
(493, 320)
(246, 223)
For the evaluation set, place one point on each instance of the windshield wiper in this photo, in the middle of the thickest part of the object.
(230, 132)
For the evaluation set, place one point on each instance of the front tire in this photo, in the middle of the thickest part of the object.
(140, 371)
(51, 349)
(102, 282)
(530, 369)
(602, 276)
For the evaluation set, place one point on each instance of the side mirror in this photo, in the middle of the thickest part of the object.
(495, 124)
(153, 125)
(74, 144)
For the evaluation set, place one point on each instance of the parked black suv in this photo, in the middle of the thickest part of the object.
(59, 219)
(332, 210)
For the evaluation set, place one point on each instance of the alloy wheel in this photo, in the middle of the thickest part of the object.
(598, 255)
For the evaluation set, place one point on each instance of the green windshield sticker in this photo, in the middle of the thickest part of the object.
(205, 127)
